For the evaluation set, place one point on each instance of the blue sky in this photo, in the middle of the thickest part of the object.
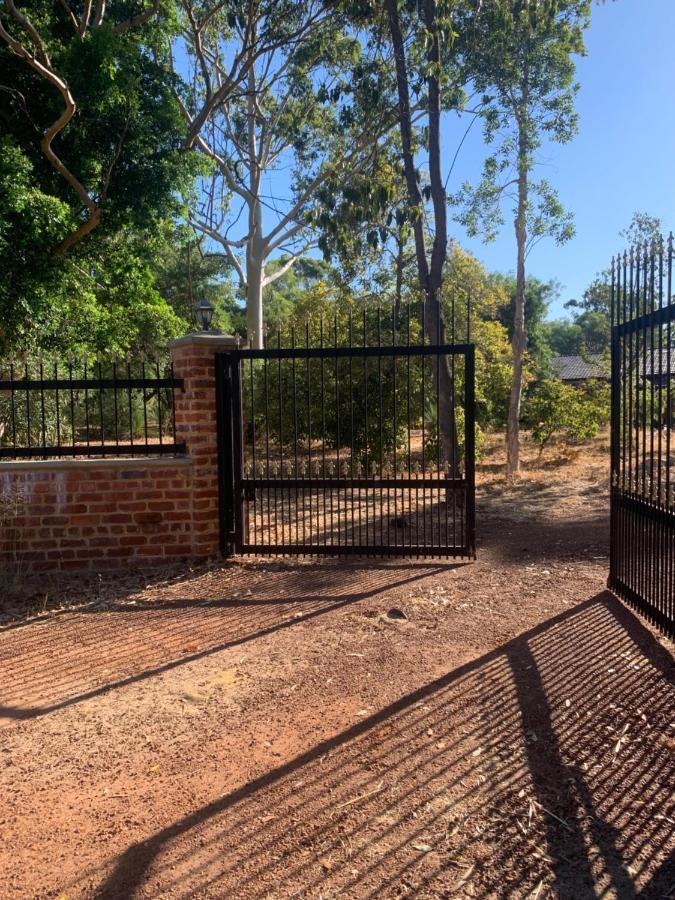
(623, 158)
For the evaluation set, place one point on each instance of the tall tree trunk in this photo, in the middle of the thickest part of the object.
(255, 248)
(430, 276)
(519, 341)
(255, 272)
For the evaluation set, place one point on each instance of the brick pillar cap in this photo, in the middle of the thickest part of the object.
(205, 339)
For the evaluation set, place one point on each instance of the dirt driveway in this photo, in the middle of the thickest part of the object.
(278, 730)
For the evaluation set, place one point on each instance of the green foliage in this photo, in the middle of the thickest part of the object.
(587, 333)
(519, 58)
(538, 297)
(642, 227)
(125, 145)
(554, 408)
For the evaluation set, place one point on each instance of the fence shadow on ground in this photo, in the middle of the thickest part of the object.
(206, 615)
(543, 768)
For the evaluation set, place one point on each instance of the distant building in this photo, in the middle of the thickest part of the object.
(657, 367)
(576, 370)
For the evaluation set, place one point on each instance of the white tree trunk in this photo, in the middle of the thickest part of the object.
(519, 342)
(255, 273)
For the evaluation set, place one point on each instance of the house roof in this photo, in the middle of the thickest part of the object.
(658, 363)
(577, 368)
(595, 365)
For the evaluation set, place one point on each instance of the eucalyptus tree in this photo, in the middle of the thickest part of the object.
(60, 44)
(298, 126)
(519, 54)
(422, 37)
(79, 272)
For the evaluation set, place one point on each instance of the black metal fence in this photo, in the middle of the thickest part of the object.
(355, 436)
(642, 558)
(98, 408)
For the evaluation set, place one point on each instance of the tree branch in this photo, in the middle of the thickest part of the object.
(270, 279)
(224, 243)
(140, 19)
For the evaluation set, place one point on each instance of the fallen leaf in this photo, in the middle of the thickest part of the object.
(423, 848)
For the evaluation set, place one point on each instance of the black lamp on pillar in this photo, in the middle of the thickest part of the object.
(204, 311)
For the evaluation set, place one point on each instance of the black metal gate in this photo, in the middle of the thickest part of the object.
(341, 446)
(642, 555)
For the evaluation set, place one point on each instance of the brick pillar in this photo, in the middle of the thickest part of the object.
(194, 361)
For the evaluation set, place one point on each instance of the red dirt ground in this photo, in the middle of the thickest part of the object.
(265, 730)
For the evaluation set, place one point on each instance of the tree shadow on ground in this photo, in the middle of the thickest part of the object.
(207, 614)
(541, 768)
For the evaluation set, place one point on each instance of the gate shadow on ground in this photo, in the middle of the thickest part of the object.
(146, 637)
(543, 768)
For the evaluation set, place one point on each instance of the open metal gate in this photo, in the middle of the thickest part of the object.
(642, 554)
(343, 449)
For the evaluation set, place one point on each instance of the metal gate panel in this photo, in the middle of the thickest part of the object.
(338, 450)
(642, 540)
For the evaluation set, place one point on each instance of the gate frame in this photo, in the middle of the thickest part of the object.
(640, 525)
(229, 412)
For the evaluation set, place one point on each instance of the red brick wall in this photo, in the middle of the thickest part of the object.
(96, 514)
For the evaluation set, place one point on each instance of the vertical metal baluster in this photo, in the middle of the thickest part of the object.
(453, 406)
(423, 361)
(659, 484)
(281, 441)
(453, 460)
(309, 488)
(410, 488)
(367, 486)
(652, 292)
(28, 416)
(630, 373)
(115, 405)
(42, 405)
(643, 353)
(619, 317)
(254, 458)
(129, 401)
(326, 491)
(380, 423)
(643, 492)
(337, 428)
(144, 397)
(634, 433)
(470, 454)
(173, 403)
(394, 414)
(670, 567)
(615, 384)
(58, 412)
(86, 402)
(652, 562)
(630, 376)
(351, 430)
(267, 459)
(100, 399)
(635, 296)
(12, 402)
(660, 571)
(160, 422)
(295, 443)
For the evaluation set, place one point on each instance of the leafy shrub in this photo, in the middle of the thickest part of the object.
(575, 413)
